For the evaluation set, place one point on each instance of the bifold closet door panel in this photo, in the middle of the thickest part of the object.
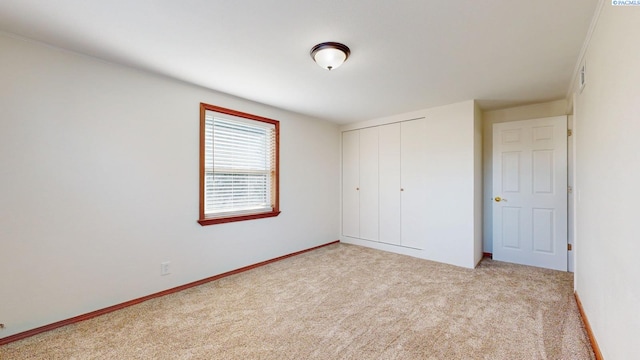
(351, 183)
(414, 198)
(389, 169)
(369, 183)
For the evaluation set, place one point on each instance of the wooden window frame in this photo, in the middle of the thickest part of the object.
(203, 220)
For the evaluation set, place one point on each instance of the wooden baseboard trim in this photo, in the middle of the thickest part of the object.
(39, 330)
(585, 321)
(487, 255)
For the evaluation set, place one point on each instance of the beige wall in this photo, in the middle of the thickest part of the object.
(99, 185)
(542, 110)
(607, 126)
(478, 183)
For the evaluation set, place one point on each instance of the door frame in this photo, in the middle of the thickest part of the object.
(571, 215)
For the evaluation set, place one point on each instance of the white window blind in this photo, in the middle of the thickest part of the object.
(239, 165)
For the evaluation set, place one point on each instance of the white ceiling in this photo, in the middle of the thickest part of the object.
(405, 54)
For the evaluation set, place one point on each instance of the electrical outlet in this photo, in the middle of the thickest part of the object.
(164, 268)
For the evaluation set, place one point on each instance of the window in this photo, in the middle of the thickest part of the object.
(238, 166)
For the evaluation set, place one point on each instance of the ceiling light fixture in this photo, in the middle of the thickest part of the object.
(330, 55)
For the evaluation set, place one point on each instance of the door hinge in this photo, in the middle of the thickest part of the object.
(569, 189)
(569, 247)
(569, 132)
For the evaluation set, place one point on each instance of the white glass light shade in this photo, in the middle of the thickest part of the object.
(330, 58)
(330, 55)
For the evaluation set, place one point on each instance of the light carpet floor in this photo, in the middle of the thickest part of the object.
(340, 302)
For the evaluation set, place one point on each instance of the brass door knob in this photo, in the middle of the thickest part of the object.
(497, 198)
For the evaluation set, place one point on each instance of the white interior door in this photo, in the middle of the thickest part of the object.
(369, 183)
(351, 183)
(530, 192)
(414, 176)
(389, 157)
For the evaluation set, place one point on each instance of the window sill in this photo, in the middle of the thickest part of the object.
(222, 220)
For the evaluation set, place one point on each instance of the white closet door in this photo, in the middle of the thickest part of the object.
(369, 184)
(389, 175)
(351, 183)
(414, 201)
